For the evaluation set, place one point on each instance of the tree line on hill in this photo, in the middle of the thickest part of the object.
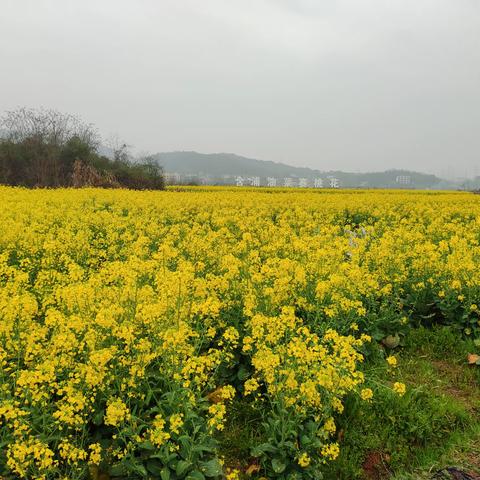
(46, 148)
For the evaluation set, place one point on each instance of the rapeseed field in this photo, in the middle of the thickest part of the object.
(132, 322)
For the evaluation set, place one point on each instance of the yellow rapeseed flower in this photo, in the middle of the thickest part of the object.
(399, 388)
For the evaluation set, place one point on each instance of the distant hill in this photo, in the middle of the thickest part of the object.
(218, 164)
(222, 168)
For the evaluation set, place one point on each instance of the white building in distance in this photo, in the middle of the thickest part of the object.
(254, 181)
(271, 182)
(403, 179)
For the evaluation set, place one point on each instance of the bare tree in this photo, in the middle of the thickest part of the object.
(47, 126)
(120, 151)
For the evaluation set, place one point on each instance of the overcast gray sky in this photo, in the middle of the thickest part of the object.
(331, 84)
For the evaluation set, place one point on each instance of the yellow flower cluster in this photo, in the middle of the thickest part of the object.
(392, 360)
(399, 388)
(366, 394)
(158, 435)
(116, 413)
(111, 299)
(22, 456)
(304, 460)
(304, 369)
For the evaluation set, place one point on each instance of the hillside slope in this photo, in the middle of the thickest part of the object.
(220, 165)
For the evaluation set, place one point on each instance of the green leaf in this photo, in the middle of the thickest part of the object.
(164, 456)
(186, 446)
(305, 440)
(98, 417)
(263, 448)
(155, 467)
(278, 465)
(201, 448)
(140, 469)
(212, 468)
(182, 467)
(195, 475)
(377, 336)
(243, 373)
(118, 470)
(165, 473)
